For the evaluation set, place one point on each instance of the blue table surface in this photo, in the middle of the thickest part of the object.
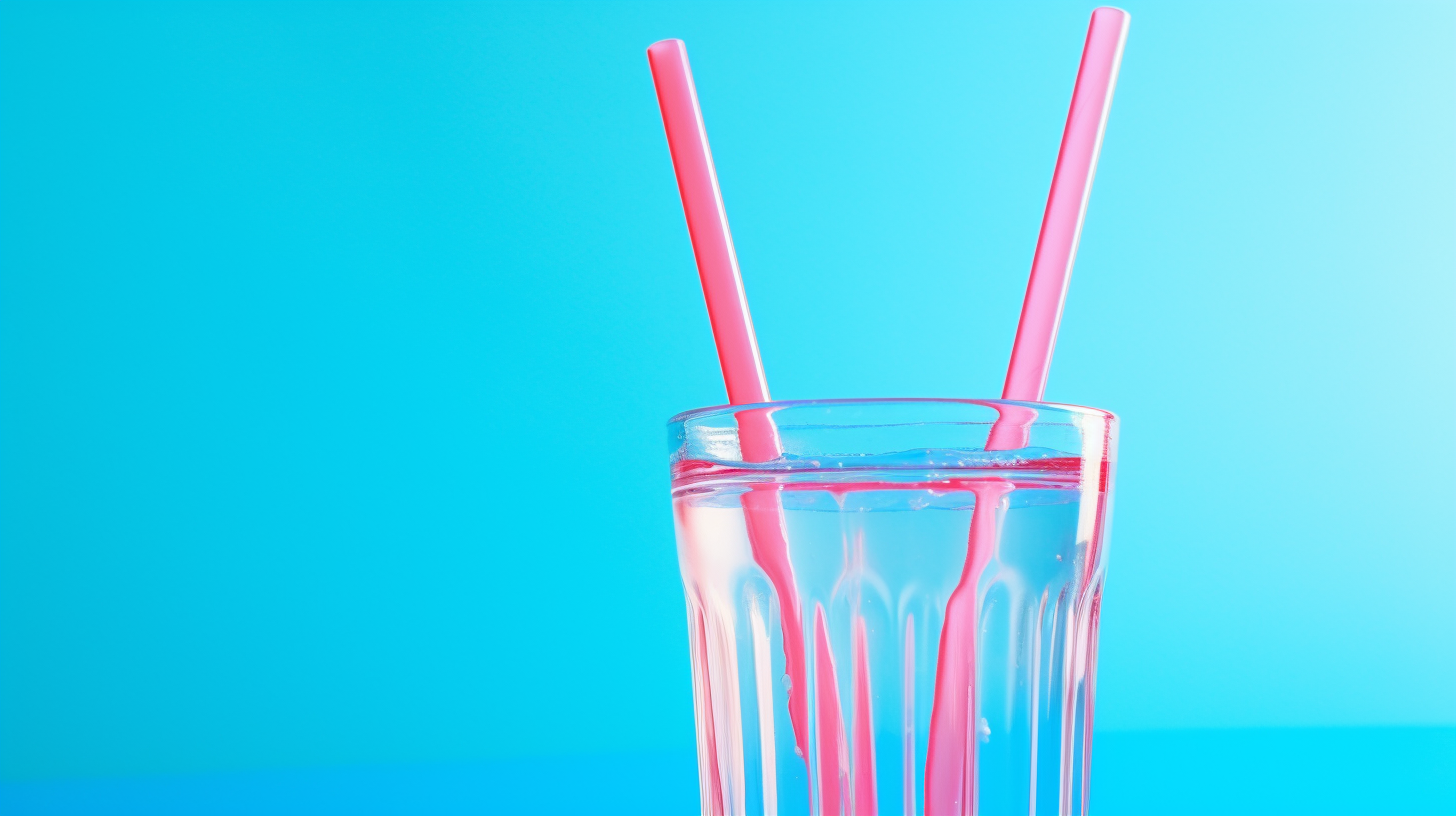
(1310, 770)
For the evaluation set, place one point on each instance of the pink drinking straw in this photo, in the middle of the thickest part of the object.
(1061, 225)
(697, 181)
(687, 139)
(950, 766)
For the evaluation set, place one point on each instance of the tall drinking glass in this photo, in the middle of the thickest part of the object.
(893, 604)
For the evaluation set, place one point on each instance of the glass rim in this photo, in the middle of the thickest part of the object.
(1064, 408)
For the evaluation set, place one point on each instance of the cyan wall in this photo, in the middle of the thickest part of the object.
(336, 344)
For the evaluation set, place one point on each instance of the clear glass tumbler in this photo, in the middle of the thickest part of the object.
(893, 604)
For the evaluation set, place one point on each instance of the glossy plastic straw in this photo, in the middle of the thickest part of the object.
(1061, 225)
(697, 181)
(950, 765)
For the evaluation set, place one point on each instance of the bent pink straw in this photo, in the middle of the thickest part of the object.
(1061, 225)
(697, 181)
(950, 765)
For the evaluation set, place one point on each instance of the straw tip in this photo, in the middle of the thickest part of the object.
(1111, 11)
(670, 44)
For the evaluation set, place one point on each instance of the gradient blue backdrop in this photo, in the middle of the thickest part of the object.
(337, 341)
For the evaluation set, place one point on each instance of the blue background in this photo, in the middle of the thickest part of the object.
(337, 341)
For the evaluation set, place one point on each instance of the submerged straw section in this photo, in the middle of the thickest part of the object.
(697, 181)
(1061, 226)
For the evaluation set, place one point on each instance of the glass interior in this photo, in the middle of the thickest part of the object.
(893, 604)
